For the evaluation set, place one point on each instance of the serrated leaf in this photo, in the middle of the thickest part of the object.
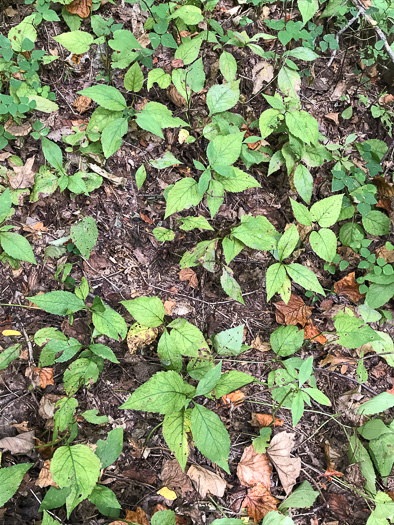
(352, 331)
(109, 450)
(304, 277)
(84, 235)
(229, 342)
(134, 78)
(175, 428)
(324, 244)
(275, 277)
(303, 182)
(58, 302)
(268, 122)
(10, 479)
(109, 323)
(228, 66)
(17, 247)
(80, 373)
(77, 42)
(286, 340)
(326, 211)
(230, 285)
(376, 223)
(148, 311)
(183, 195)
(106, 96)
(230, 381)
(301, 213)
(222, 97)
(165, 161)
(288, 242)
(111, 137)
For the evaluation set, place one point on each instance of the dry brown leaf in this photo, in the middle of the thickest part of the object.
(254, 468)
(258, 344)
(177, 63)
(379, 370)
(385, 189)
(146, 219)
(20, 444)
(35, 227)
(174, 478)
(259, 502)
(47, 405)
(45, 375)
(137, 516)
(82, 103)
(18, 130)
(175, 97)
(262, 72)
(207, 481)
(264, 420)
(385, 204)
(233, 399)
(384, 253)
(349, 287)
(313, 333)
(21, 427)
(334, 117)
(294, 312)
(141, 474)
(288, 468)
(22, 176)
(168, 306)
(45, 476)
(4, 155)
(80, 8)
(188, 274)
(339, 506)
(337, 360)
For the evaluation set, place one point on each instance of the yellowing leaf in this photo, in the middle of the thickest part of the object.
(7, 333)
(167, 493)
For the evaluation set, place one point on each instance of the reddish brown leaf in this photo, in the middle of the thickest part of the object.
(328, 473)
(233, 399)
(137, 516)
(82, 104)
(391, 391)
(80, 8)
(334, 117)
(142, 474)
(168, 306)
(294, 312)
(337, 360)
(188, 274)
(45, 375)
(379, 370)
(146, 219)
(45, 476)
(385, 204)
(313, 333)
(349, 287)
(259, 502)
(177, 63)
(265, 420)
(339, 506)
(385, 189)
(254, 468)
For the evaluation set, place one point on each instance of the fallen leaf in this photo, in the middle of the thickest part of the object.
(326, 304)
(35, 227)
(336, 360)
(177, 63)
(339, 506)
(254, 468)
(146, 219)
(313, 333)
(385, 189)
(45, 476)
(379, 370)
(207, 481)
(4, 155)
(288, 468)
(265, 420)
(174, 478)
(8, 333)
(329, 473)
(168, 306)
(259, 502)
(18, 130)
(82, 104)
(22, 176)
(144, 475)
(136, 516)
(45, 375)
(385, 204)
(167, 493)
(384, 253)
(294, 312)
(334, 117)
(262, 72)
(349, 287)
(139, 336)
(20, 444)
(21, 427)
(80, 8)
(233, 399)
(188, 274)
(175, 97)
(386, 99)
(46, 409)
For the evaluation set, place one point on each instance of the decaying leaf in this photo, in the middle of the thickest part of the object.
(47, 405)
(259, 502)
(167, 493)
(45, 375)
(258, 344)
(140, 336)
(313, 333)
(262, 72)
(254, 468)
(82, 103)
(168, 306)
(265, 420)
(288, 468)
(136, 516)
(334, 117)
(349, 287)
(206, 481)
(45, 476)
(18, 130)
(384, 253)
(188, 274)
(174, 478)
(337, 360)
(175, 97)
(20, 444)
(22, 176)
(385, 189)
(233, 399)
(294, 312)
(80, 8)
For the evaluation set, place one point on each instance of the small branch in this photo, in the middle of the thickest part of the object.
(340, 33)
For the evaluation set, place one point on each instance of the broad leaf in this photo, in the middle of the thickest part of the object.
(106, 96)
(148, 311)
(304, 277)
(175, 428)
(84, 235)
(326, 211)
(324, 244)
(109, 450)
(183, 195)
(17, 247)
(10, 479)
(58, 302)
(76, 42)
(111, 137)
(222, 97)
(286, 340)
(109, 323)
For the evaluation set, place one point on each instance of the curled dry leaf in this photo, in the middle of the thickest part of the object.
(313, 333)
(235, 398)
(80, 8)
(385, 189)
(288, 468)
(337, 360)
(22, 176)
(254, 468)
(259, 502)
(262, 72)
(207, 481)
(265, 420)
(294, 312)
(82, 103)
(47, 405)
(18, 130)
(136, 516)
(334, 117)
(21, 427)
(188, 274)
(175, 97)
(385, 204)
(174, 478)
(20, 444)
(258, 344)
(45, 476)
(168, 306)
(45, 375)
(349, 287)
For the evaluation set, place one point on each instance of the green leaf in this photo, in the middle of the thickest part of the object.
(225, 150)
(286, 340)
(163, 234)
(324, 244)
(109, 323)
(106, 96)
(318, 396)
(231, 248)
(275, 277)
(376, 223)
(8, 355)
(190, 14)
(20, 32)
(183, 195)
(191, 223)
(210, 436)
(10, 479)
(5, 205)
(305, 372)
(64, 415)
(228, 66)
(303, 182)
(301, 213)
(222, 97)
(164, 393)
(189, 49)
(111, 137)
(289, 82)
(308, 9)
(148, 311)
(303, 53)
(262, 442)
(175, 428)
(80, 373)
(55, 498)
(379, 294)
(140, 176)
(47, 520)
(297, 407)
(105, 500)
(164, 517)
(303, 126)
(108, 451)
(58, 303)
(381, 451)
(209, 381)
(229, 342)
(165, 161)
(228, 521)
(288, 242)
(326, 211)
(52, 153)
(231, 381)
(240, 181)
(377, 404)
(134, 78)
(43, 104)
(304, 277)
(92, 417)
(77, 42)
(230, 285)
(358, 454)
(352, 331)
(187, 338)
(76, 467)
(350, 233)
(159, 76)
(302, 497)
(268, 122)
(17, 247)
(84, 235)
(256, 232)
(277, 160)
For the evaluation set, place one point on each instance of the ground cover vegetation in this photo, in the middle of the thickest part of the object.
(196, 262)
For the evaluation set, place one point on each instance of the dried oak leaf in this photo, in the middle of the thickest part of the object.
(20, 444)
(80, 8)
(264, 420)
(233, 399)
(136, 516)
(45, 375)
(313, 333)
(254, 468)
(45, 476)
(22, 176)
(174, 478)
(188, 274)
(288, 468)
(349, 287)
(207, 481)
(294, 312)
(82, 104)
(259, 502)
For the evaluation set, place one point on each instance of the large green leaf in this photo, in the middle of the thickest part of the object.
(21, 31)
(148, 311)
(303, 182)
(5, 205)
(164, 393)
(58, 302)
(376, 223)
(352, 331)
(229, 342)
(8, 355)
(324, 244)
(286, 340)
(275, 277)
(302, 497)
(304, 277)
(106, 96)
(377, 404)
(225, 150)
(230, 285)
(134, 78)
(268, 122)
(17, 247)
(105, 500)
(303, 126)
(175, 428)
(183, 195)
(80, 373)
(222, 97)
(109, 450)
(382, 452)
(358, 454)
(75, 42)
(326, 211)
(110, 323)
(307, 8)
(230, 381)
(187, 338)
(155, 116)
(288, 242)
(10, 479)
(111, 137)
(84, 235)
(256, 232)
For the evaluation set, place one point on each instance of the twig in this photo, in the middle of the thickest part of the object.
(48, 511)
(351, 21)
(29, 345)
